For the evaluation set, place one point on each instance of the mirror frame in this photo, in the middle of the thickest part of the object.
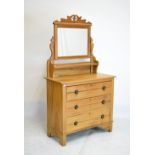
(73, 21)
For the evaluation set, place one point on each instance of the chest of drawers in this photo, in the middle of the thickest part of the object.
(79, 102)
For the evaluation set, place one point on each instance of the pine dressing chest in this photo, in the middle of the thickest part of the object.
(78, 97)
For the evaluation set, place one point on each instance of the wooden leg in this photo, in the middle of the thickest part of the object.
(107, 126)
(50, 132)
(62, 140)
(109, 129)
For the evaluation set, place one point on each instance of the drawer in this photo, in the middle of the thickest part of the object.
(91, 118)
(97, 113)
(98, 120)
(78, 122)
(81, 125)
(100, 116)
(84, 87)
(88, 90)
(77, 107)
(88, 93)
(101, 102)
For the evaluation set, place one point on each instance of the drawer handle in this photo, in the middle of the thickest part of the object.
(75, 123)
(103, 102)
(76, 92)
(104, 87)
(76, 107)
(102, 116)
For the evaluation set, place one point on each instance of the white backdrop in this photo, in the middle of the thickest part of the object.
(110, 32)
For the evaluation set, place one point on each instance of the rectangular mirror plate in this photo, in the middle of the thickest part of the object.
(72, 42)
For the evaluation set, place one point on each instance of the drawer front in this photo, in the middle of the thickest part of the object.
(99, 113)
(77, 107)
(100, 89)
(78, 122)
(100, 116)
(100, 102)
(81, 125)
(92, 118)
(90, 86)
(99, 120)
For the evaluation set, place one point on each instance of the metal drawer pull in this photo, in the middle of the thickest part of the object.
(75, 123)
(76, 92)
(102, 116)
(103, 102)
(76, 107)
(104, 87)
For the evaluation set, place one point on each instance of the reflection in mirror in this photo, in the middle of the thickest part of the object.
(72, 42)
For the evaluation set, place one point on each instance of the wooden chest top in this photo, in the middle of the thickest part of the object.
(81, 79)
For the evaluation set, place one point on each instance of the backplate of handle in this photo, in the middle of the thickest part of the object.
(75, 123)
(76, 91)
(103, 101)
(102, 116)
(104, 87)
(76, 106)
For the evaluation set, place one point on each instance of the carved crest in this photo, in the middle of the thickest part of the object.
(51, 46)
(74, 19)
